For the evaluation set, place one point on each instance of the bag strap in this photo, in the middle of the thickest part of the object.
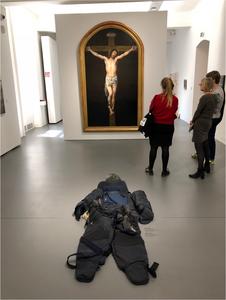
(97, 251)
(71, 266)
(153, 268)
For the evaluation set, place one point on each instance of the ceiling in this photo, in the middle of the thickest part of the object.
(178, 5)
(42, 7)
(82, 1)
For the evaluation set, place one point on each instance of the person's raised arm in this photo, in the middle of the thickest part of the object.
(95, 53)
(133, 48)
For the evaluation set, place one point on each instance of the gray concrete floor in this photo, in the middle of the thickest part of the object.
(44, 179)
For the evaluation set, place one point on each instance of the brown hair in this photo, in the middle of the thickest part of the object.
(113, 51)
(215, 75)
(208, 84)
(167, 86)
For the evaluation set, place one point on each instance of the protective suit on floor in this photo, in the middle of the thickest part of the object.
(112, 214)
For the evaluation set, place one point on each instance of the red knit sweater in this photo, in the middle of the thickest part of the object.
(162, 113)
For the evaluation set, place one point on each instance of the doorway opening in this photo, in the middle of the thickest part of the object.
(201, 65)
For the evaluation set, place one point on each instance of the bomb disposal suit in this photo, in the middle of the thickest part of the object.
(112, 214)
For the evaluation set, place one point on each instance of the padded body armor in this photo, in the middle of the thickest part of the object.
(112, 217)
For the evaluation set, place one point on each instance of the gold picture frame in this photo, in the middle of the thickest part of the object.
(101, 111)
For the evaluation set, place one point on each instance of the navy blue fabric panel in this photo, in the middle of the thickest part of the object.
(115, 197)
(113, 186)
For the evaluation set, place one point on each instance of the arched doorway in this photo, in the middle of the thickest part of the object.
(201, 64)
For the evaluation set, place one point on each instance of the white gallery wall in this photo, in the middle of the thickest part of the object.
(52, 83)
(27, 66)
(70, 29)
(207, 19)
(10, 133)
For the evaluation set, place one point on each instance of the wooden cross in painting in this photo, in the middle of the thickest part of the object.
(111, 45)
(110, 63)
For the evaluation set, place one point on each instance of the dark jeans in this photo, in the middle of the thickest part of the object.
(211, 138)
(165, 156)
(202, 150)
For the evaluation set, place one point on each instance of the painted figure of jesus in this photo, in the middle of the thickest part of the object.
(111, 79)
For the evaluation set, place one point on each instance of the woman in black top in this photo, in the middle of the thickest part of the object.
(201, 123)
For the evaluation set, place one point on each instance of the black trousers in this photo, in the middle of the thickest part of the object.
(99, 240)
(153, 154)
(211, 138)
(202, 150)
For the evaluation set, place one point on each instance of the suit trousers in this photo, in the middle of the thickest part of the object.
(101, 238)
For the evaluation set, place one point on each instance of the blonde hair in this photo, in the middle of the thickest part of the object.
(167, 86)
(208, 84)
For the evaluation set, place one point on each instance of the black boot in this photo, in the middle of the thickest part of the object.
(149, 171)
(165, 173)
(199, 173)
(207, 167)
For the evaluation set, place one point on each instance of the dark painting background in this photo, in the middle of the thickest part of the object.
(126, 105)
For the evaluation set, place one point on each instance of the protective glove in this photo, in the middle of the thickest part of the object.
(80, 209)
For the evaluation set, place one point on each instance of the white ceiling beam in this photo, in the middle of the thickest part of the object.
(78, 1)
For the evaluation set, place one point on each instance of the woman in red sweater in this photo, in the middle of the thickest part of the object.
(163, 108)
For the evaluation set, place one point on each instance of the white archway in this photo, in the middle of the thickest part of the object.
(201, 64)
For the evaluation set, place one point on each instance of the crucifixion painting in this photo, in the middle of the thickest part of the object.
(111, 79)
(111, 67)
